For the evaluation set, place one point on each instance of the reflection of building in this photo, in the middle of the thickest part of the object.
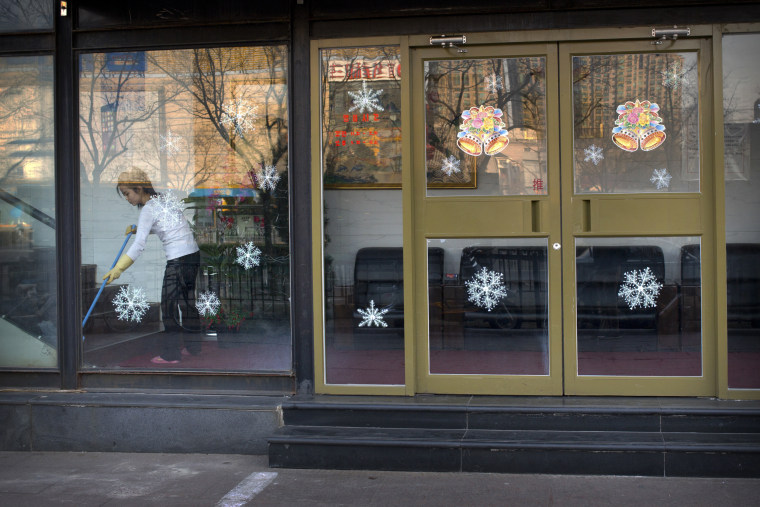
(601, 83)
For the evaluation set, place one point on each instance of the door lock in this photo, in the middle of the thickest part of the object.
(556, 246)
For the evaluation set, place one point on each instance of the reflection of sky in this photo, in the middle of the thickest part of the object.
(741, 75)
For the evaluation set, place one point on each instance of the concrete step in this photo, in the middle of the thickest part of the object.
(498, 451)
(588, 414)
(593, 436)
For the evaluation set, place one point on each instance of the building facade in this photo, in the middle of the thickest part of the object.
(387, 200)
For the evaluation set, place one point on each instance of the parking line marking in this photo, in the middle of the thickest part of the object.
(247, 489)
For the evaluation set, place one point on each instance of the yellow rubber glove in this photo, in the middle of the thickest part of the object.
(124, 262)
(132, 229)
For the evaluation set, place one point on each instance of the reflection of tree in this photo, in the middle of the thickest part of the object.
(514, 85)
(112, 104)
(25, 115)
(596, 76)
(25, 14)
(193, 165)
(221, 78)
(600, 84)
(223, 83)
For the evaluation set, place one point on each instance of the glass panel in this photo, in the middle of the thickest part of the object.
(741, 109)
(363, 221)
(192, 146)
(26, 15)
(27, 214)
(636, 123)
(361, 119)
(639, 306)
(488, 306)
(485, 126)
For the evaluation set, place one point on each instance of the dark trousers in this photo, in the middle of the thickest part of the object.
(179, 314)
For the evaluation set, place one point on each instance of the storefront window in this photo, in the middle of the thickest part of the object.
(485, 124)
(741, 128)
(363, 220)
(636, 123)
(27, 214)
(488, 306)
(191, 146)
(639, 306)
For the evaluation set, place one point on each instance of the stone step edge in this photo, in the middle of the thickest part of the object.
(524, 409)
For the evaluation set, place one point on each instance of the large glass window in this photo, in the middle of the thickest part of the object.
(741, 110)
(28, 336)
(363, 220)
(191, 146)
(636, 123)
(639, 306)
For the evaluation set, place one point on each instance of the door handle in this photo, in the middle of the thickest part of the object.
(535, 216)
(586, 215)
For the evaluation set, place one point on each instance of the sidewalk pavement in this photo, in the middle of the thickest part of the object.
(124, 479)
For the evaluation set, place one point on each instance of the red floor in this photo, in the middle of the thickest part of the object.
(387, 366)
(243, 357)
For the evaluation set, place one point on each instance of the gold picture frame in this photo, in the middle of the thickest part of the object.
(465, 177)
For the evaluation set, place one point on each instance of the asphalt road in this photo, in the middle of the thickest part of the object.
(120, 479)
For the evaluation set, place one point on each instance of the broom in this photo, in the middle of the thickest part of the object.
(103, 285)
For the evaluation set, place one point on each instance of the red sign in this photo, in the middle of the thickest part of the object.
(364, 70)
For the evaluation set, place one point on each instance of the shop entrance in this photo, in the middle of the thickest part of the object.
(560, 202)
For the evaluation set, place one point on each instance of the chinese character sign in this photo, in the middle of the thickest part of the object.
(361, 117)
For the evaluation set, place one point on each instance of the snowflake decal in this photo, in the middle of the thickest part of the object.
(168, 210)
(171, 144)
(674, 77)
(486, 288)
(494, 83)
(661, 178)
(238, 115)
(367, 100)
(373, 316)
(640, 289)
(450, 166)
(207, 304)
(248, 255)
(267, 177)
(130, 304)
(594, 154)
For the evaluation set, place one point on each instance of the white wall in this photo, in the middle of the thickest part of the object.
(358, 219)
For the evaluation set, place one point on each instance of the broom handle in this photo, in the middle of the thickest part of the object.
(103, 285)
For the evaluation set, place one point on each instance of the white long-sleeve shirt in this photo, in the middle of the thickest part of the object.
(177, 240)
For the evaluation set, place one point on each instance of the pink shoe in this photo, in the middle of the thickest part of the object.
(161, 360)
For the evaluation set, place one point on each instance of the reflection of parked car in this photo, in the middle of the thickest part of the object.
(599, 273)
(379, 277)
(525, 278)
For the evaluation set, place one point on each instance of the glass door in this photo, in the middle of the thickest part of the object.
(561, 203)
(637, 204)
(486, 220)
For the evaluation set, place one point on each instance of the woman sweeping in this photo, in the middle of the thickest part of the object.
(178, 312)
